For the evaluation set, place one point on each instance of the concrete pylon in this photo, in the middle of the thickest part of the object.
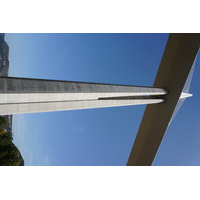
(25, 95)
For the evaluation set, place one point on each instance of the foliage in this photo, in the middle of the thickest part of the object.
(2, 131)
(9, 154)
(3, 122)
(5, 139)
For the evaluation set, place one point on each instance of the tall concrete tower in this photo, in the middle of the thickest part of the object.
(24, 95)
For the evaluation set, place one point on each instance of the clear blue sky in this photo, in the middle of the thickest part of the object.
(97, 136)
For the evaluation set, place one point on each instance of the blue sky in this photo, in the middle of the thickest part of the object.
(97, 136)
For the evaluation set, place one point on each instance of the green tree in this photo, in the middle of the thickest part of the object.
(3, 122)
(9, 153)
(6, 139)
(10, 156)
(2, 131)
